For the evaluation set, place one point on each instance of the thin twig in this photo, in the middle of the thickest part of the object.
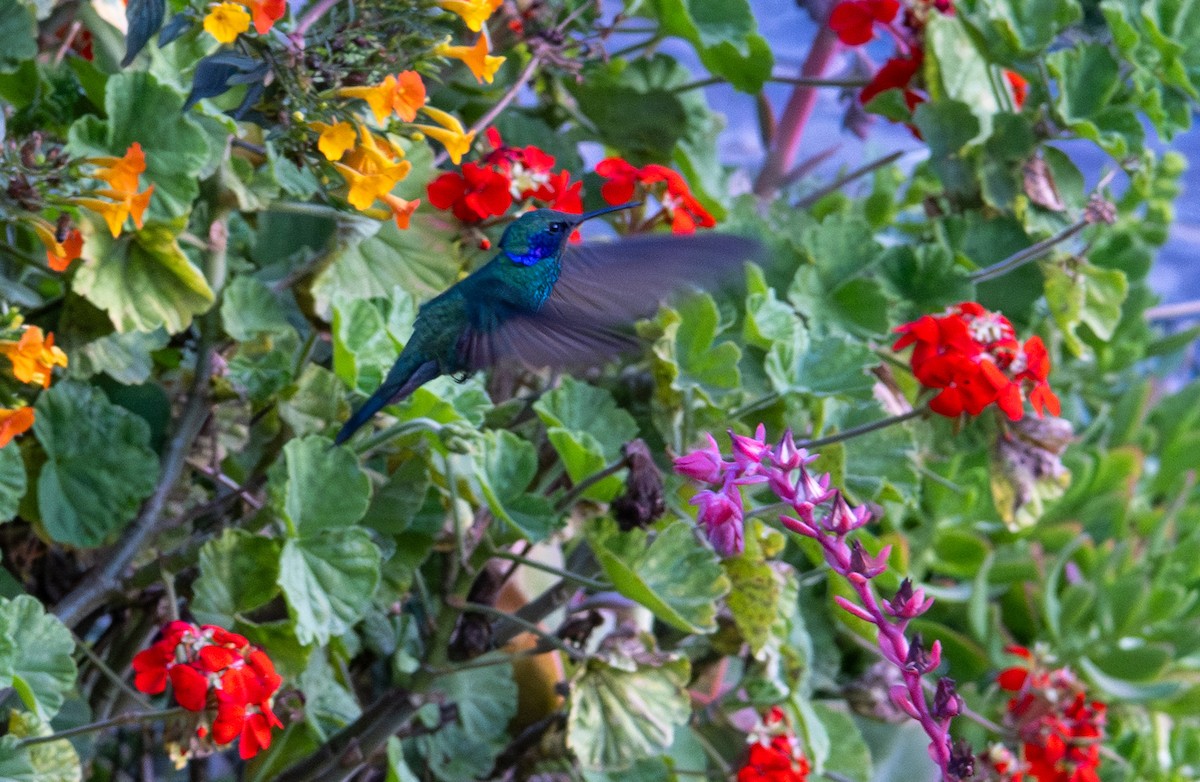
(845, 179)
(531, 627)
(310, 17)
(583, 581)
(131, 718)
(855, 431)
(1177, 310)
(578, 489)
(109, 673)
(1030, 253)
(500, 105)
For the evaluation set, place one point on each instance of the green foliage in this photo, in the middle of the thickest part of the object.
(98, 468)
(35, 655)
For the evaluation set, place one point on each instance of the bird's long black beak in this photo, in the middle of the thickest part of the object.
(589, 215)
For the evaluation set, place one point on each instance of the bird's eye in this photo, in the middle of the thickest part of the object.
(556, 227)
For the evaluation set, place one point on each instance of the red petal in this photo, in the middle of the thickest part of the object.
(216, 658)
(191, 687)
(446, 189)
(1012, 679)
(853, 22)
(231, 717)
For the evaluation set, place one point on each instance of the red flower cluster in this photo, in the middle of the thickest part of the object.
(775, 754)
(625, 181)
(1059, 728)
(506, 175)
(972, 355)
(205, 661)
(854, 22)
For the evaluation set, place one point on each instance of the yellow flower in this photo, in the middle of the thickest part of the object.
(403, 93)
(122, 206)
(473, 12)
(335, 139)
(456, 141)
(369, 173)
(482, 64)
(58, 254)
(226, 21)
(34, 356)
(14, 422)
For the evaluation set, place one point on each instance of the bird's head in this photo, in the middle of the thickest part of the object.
(542, 233)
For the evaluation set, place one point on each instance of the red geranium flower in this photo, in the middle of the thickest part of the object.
(854, 20)
(678, 206)
(895, 74)
(1020, 88)
(774, 754)
(475, 194)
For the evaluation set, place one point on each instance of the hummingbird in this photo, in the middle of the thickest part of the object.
(544, 303)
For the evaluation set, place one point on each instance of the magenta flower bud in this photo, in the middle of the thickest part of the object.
(962, 759)
(903, 700)
(721, 516)
(947, 703)
(843, 519)
(908, 602)
(918, 659)
(748, 452)
(863, 564)
(802, 527)
(787, 456)
(703, 464)
(854, 609)
(781, 483)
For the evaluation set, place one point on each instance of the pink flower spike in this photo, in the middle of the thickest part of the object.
(703, 464)
(903, 700)
(781, 483)
(853, 608)
(908, 602)
(721, 516)
(787, 456)
(865, 565)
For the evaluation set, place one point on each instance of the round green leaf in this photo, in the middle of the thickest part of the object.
(328, 580)
(238, 572)
(44, 670)
(99, 465)
(317, 486)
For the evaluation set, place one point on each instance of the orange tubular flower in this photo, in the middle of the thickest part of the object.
(266, 13)
(403, 94)
(370, 173)
(474, 12)
(34, 356)
(13, 423)
(401, 210)
(451, 134)
(122, 176)
(58, 254)
(483, 66)
(335, 139)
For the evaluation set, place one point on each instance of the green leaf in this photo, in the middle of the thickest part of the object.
(634, 107)
(18, 30)
(238, 573)
(53, 761)
(123, 357)
(580, 407)
(627, 709)
(397, 768)
(947, 126)
(1082, 293)
(755, 586)
(1127, 691)
(12, 481)
(925, 278)
(961, 72)
(675, 575)
(878, 465)
(316, 399)
(15, 763)
(43, 671)
(500, 476)
(485, 700)
(725, 36)
(687, 352)
(143, 281)
(827, 366)
(328, 706)
(139, 108)
(99, 466)
(364, 343)
(250, 309)
(328, 580)
(834, 288)
(420, 260)
(316, 486)
(583, 456)
(1020, 28)
(849, 754)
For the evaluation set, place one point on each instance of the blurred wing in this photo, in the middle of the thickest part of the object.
(603, 288)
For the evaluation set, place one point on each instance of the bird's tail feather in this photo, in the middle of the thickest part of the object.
(405, 377)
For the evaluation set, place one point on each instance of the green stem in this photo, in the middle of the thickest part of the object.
(584, 581)
(131, 718)
(1030, 253)
(109, 673)
(861, 430)
(634, 47)
(845, 179)
(395, 430)
(578, 489)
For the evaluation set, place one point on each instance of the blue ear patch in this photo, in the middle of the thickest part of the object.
(540, 245)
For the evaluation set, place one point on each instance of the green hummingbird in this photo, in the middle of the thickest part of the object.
(544, 303)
